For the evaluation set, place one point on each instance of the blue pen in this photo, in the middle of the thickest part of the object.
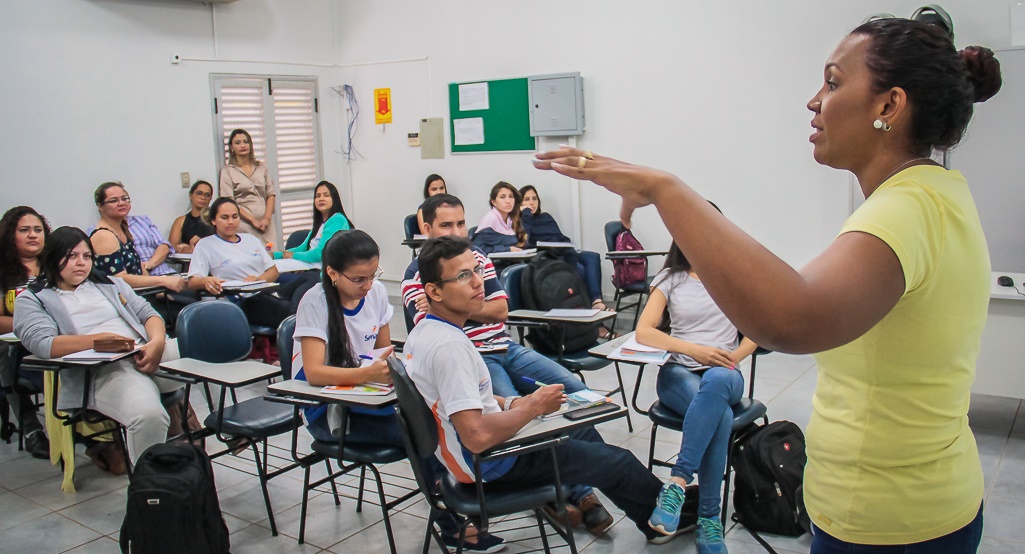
(534, 382)
(365, 357)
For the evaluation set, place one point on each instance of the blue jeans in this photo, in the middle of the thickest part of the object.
(507, 371)
(963, 541)
(704, 398)
(585, 458)
(589, 268)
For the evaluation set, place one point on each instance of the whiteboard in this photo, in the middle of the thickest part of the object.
(992, 158)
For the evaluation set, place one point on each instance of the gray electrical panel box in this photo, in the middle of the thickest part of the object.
(556, 104)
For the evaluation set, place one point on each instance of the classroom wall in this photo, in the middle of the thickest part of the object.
(714, 92)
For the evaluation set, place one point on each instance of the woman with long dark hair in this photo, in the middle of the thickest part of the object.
(248, 182)
(70, 308)
(23, 233)
(339, 322)
(188, 229)
(328, 218)
(433, 184)
(500, 230)
(700, 382)
(894, 308)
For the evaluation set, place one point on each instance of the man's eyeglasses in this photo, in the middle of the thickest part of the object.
(112, 201)
(464, 276)
(360, 281)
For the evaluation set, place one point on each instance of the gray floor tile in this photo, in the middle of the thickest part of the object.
(1004, 516)
(18, 510)
(994, 413)
(1010, 478)
(245, 500)
(408, 532)
(102, 545)
(327, 524)
(778, 542)
(256, 539)
(990, 545)
(102, 514)
(21, 471)
(90, 482)
(55, 531)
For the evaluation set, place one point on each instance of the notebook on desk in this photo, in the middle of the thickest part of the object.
(578, 401)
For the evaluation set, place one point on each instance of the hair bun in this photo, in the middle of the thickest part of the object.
(983, 71)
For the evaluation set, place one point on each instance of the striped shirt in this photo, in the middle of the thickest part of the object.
(479, 333)
(146, 239)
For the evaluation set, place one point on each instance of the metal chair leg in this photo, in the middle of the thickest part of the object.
(622, 391)
(359, 496)
(302, 509)
(384, 508)
(334, 488)
(262, 472)
(544, 534)
(726, 480)
(651, 446)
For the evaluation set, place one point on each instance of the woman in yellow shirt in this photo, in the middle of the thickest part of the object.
(894, 307)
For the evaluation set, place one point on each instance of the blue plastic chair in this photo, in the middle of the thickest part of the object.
(296, 238)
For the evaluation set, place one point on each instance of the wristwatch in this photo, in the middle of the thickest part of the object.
(508, 402)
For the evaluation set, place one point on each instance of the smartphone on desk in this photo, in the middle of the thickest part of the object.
(592, 411)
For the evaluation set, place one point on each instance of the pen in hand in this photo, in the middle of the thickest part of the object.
(534, 382)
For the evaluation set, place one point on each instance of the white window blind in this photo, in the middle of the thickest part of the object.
(281, 114)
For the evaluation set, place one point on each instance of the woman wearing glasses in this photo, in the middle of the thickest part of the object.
(339, 322)
(135, 255)
(188, 229)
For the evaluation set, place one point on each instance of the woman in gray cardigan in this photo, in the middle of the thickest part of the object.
(69, 308)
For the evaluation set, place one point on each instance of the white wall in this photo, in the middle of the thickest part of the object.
(712, 91)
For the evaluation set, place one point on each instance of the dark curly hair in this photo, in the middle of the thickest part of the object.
(12, 271)
(941, 83)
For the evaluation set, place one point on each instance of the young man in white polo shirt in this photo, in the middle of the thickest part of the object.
(455, 382)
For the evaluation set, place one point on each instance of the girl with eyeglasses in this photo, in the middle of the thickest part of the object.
(135, 255)
(188, 229)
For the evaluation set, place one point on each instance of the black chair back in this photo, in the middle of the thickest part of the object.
(296, 238)
(409, 227)
(286, 347)
(612, 230)
(215, 331)
(414, 415)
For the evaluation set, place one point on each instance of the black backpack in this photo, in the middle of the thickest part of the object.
(769, 465)
(172, 504)
(548, 283)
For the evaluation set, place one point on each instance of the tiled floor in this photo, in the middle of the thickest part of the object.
(35, 516)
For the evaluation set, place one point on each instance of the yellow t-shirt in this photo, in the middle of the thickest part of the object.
(891, 459)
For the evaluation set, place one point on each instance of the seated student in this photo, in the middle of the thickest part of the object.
(115, 243)
(541, 227)
(328, 218)
(189, 228)
(509, 364)
(448, 372)
(230, 255)
(72, 306)
(23, 233)
(434, 184)
(700, 381)
(500, 230)
(339, 322)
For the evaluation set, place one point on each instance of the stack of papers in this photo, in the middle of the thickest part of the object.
(582, 313)
(546, 244)
(633, 351)
(578, 401)
(236, 284)
(526, 252)
(366, 389)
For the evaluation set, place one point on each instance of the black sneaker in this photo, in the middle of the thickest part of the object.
(484, 543)
(37, 444)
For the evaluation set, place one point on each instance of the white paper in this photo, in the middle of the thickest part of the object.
(582, 313)
(473, 96)
(546, 244)
(291, 264)
(92, 355)
(236, 284)
(469, 131)
(526, 253)
(632, 344)
(9, 337)
(181, 256)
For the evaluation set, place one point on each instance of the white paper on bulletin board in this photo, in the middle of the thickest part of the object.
(473, 96)
(469, 131)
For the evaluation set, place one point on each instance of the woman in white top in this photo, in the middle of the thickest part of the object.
(339, 322)
(700, 381)
(72, 306)
(231, 255)
(247, 181)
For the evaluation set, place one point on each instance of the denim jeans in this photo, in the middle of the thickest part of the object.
(586, 459)
(704, 398)
(963, 541)
(509, 368)
(589, 268)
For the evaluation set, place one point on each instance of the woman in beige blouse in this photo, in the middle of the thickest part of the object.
(247, 181)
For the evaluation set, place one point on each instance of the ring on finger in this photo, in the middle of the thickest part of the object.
(581, 162)
(588, 154)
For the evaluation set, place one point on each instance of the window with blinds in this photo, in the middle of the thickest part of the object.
(281, 114)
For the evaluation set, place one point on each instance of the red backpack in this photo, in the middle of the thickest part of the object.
(630, 270)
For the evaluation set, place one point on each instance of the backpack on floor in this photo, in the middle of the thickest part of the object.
(769, 465)
(548, 283)
(172, 504)
(632, 270)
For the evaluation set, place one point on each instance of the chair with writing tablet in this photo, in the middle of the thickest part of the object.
(579, 361)
(477, 502)
(638, 289)
(296, 238)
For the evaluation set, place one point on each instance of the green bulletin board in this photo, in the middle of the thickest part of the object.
(506, 121)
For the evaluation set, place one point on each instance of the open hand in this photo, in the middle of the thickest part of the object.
(710, 356)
